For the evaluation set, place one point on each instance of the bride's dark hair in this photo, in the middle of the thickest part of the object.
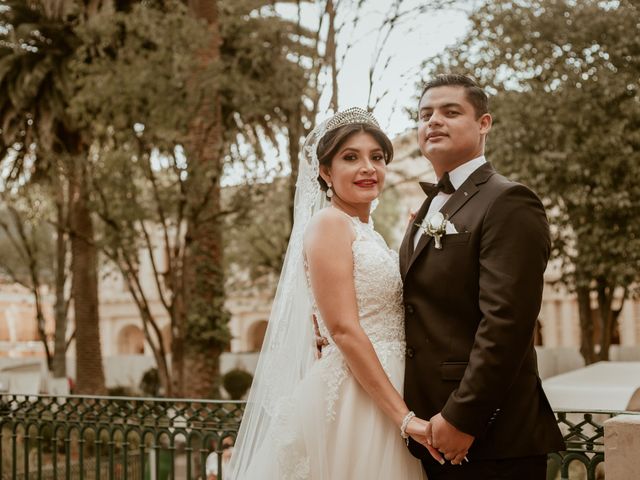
(330, 144)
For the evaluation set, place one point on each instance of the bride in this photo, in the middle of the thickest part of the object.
(339, 416)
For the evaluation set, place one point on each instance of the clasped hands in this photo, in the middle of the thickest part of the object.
(441, 439)
(438, 436)
(446, 440)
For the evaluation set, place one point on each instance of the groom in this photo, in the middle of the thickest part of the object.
(473, 283)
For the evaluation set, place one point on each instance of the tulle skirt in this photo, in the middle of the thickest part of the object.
(330, 429)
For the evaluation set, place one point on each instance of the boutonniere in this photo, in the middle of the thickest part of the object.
(435, 226)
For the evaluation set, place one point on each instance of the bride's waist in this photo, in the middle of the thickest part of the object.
(381, 346)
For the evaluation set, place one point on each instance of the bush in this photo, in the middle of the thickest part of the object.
(120, 391)
(150, 383)
(237, 382)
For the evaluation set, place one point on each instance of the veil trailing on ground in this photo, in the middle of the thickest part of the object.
(289, 344)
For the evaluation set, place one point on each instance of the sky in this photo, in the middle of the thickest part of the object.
(416, 39)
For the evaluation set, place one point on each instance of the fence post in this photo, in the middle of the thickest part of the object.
(152, 463)
(622, 447)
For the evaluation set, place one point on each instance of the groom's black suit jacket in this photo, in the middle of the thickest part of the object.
(471, 309)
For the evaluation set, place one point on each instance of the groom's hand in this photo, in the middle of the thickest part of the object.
(446, 438)
(320, 340)
(418, 428)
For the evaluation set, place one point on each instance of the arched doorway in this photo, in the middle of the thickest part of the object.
(130, 341)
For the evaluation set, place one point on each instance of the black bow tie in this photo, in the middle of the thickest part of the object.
(444, 185)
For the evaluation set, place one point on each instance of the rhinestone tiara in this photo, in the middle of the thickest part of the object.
(350, 116)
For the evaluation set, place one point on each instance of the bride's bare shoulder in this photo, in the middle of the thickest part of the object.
(329, 225)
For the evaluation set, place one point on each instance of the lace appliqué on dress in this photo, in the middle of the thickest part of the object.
(379, 295)
(333, 374)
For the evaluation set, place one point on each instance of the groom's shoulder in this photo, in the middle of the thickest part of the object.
(502, 194)
(503, 187)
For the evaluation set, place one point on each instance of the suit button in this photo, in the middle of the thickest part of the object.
(409, 308)
(410, 352)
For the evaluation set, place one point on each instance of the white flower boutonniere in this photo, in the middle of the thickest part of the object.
(436, 226)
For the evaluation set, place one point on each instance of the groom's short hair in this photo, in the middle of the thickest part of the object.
(475, 94)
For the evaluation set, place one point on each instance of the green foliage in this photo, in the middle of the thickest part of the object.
(257, 233)
(567, 121)
(118, 89)
(133, 95)
(34, 53)
(138, 86)
(237, 382)
(25, 235)
(135, 70)
(150, 383)
(386, 216)
(266, 61)
(120, 391)
(40, 143)
(566, 82)
(206, 326)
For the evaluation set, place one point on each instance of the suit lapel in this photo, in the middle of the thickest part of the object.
(460, 197)
(406, 247)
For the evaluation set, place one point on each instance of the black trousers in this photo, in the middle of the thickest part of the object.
(525, 468)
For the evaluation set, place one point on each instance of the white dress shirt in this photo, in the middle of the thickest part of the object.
(457, 176)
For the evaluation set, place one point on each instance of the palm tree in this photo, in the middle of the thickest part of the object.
(37, 41)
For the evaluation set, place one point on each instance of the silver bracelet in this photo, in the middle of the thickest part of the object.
(405, 422)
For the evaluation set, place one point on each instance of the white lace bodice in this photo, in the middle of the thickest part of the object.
(378, 287)
(329, 385)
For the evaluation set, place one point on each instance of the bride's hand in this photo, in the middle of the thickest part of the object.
(417, 429)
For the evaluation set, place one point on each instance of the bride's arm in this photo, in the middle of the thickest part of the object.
(328, 250)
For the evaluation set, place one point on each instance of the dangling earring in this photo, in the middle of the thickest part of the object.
(329, 191)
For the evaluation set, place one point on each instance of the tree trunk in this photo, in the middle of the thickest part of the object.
(198, 367)
(160, 357)
(205, 328)
(41, 326)
(156, 345)
(586, 325)
(608, 316)
(178, 317)
(205, 313)
(89, 368)
(331, 55)
(60, 309)
(605, 298)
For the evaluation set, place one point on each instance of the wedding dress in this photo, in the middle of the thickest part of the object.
(329, 428)
(309, 418)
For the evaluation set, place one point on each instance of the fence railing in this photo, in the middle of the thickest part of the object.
(122, 438)
(584, 437)
(113, 438)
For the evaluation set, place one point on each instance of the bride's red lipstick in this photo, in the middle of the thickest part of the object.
(366, 183)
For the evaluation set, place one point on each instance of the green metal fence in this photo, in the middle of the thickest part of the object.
(121, 438)
(584, 436)
(113, 438)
